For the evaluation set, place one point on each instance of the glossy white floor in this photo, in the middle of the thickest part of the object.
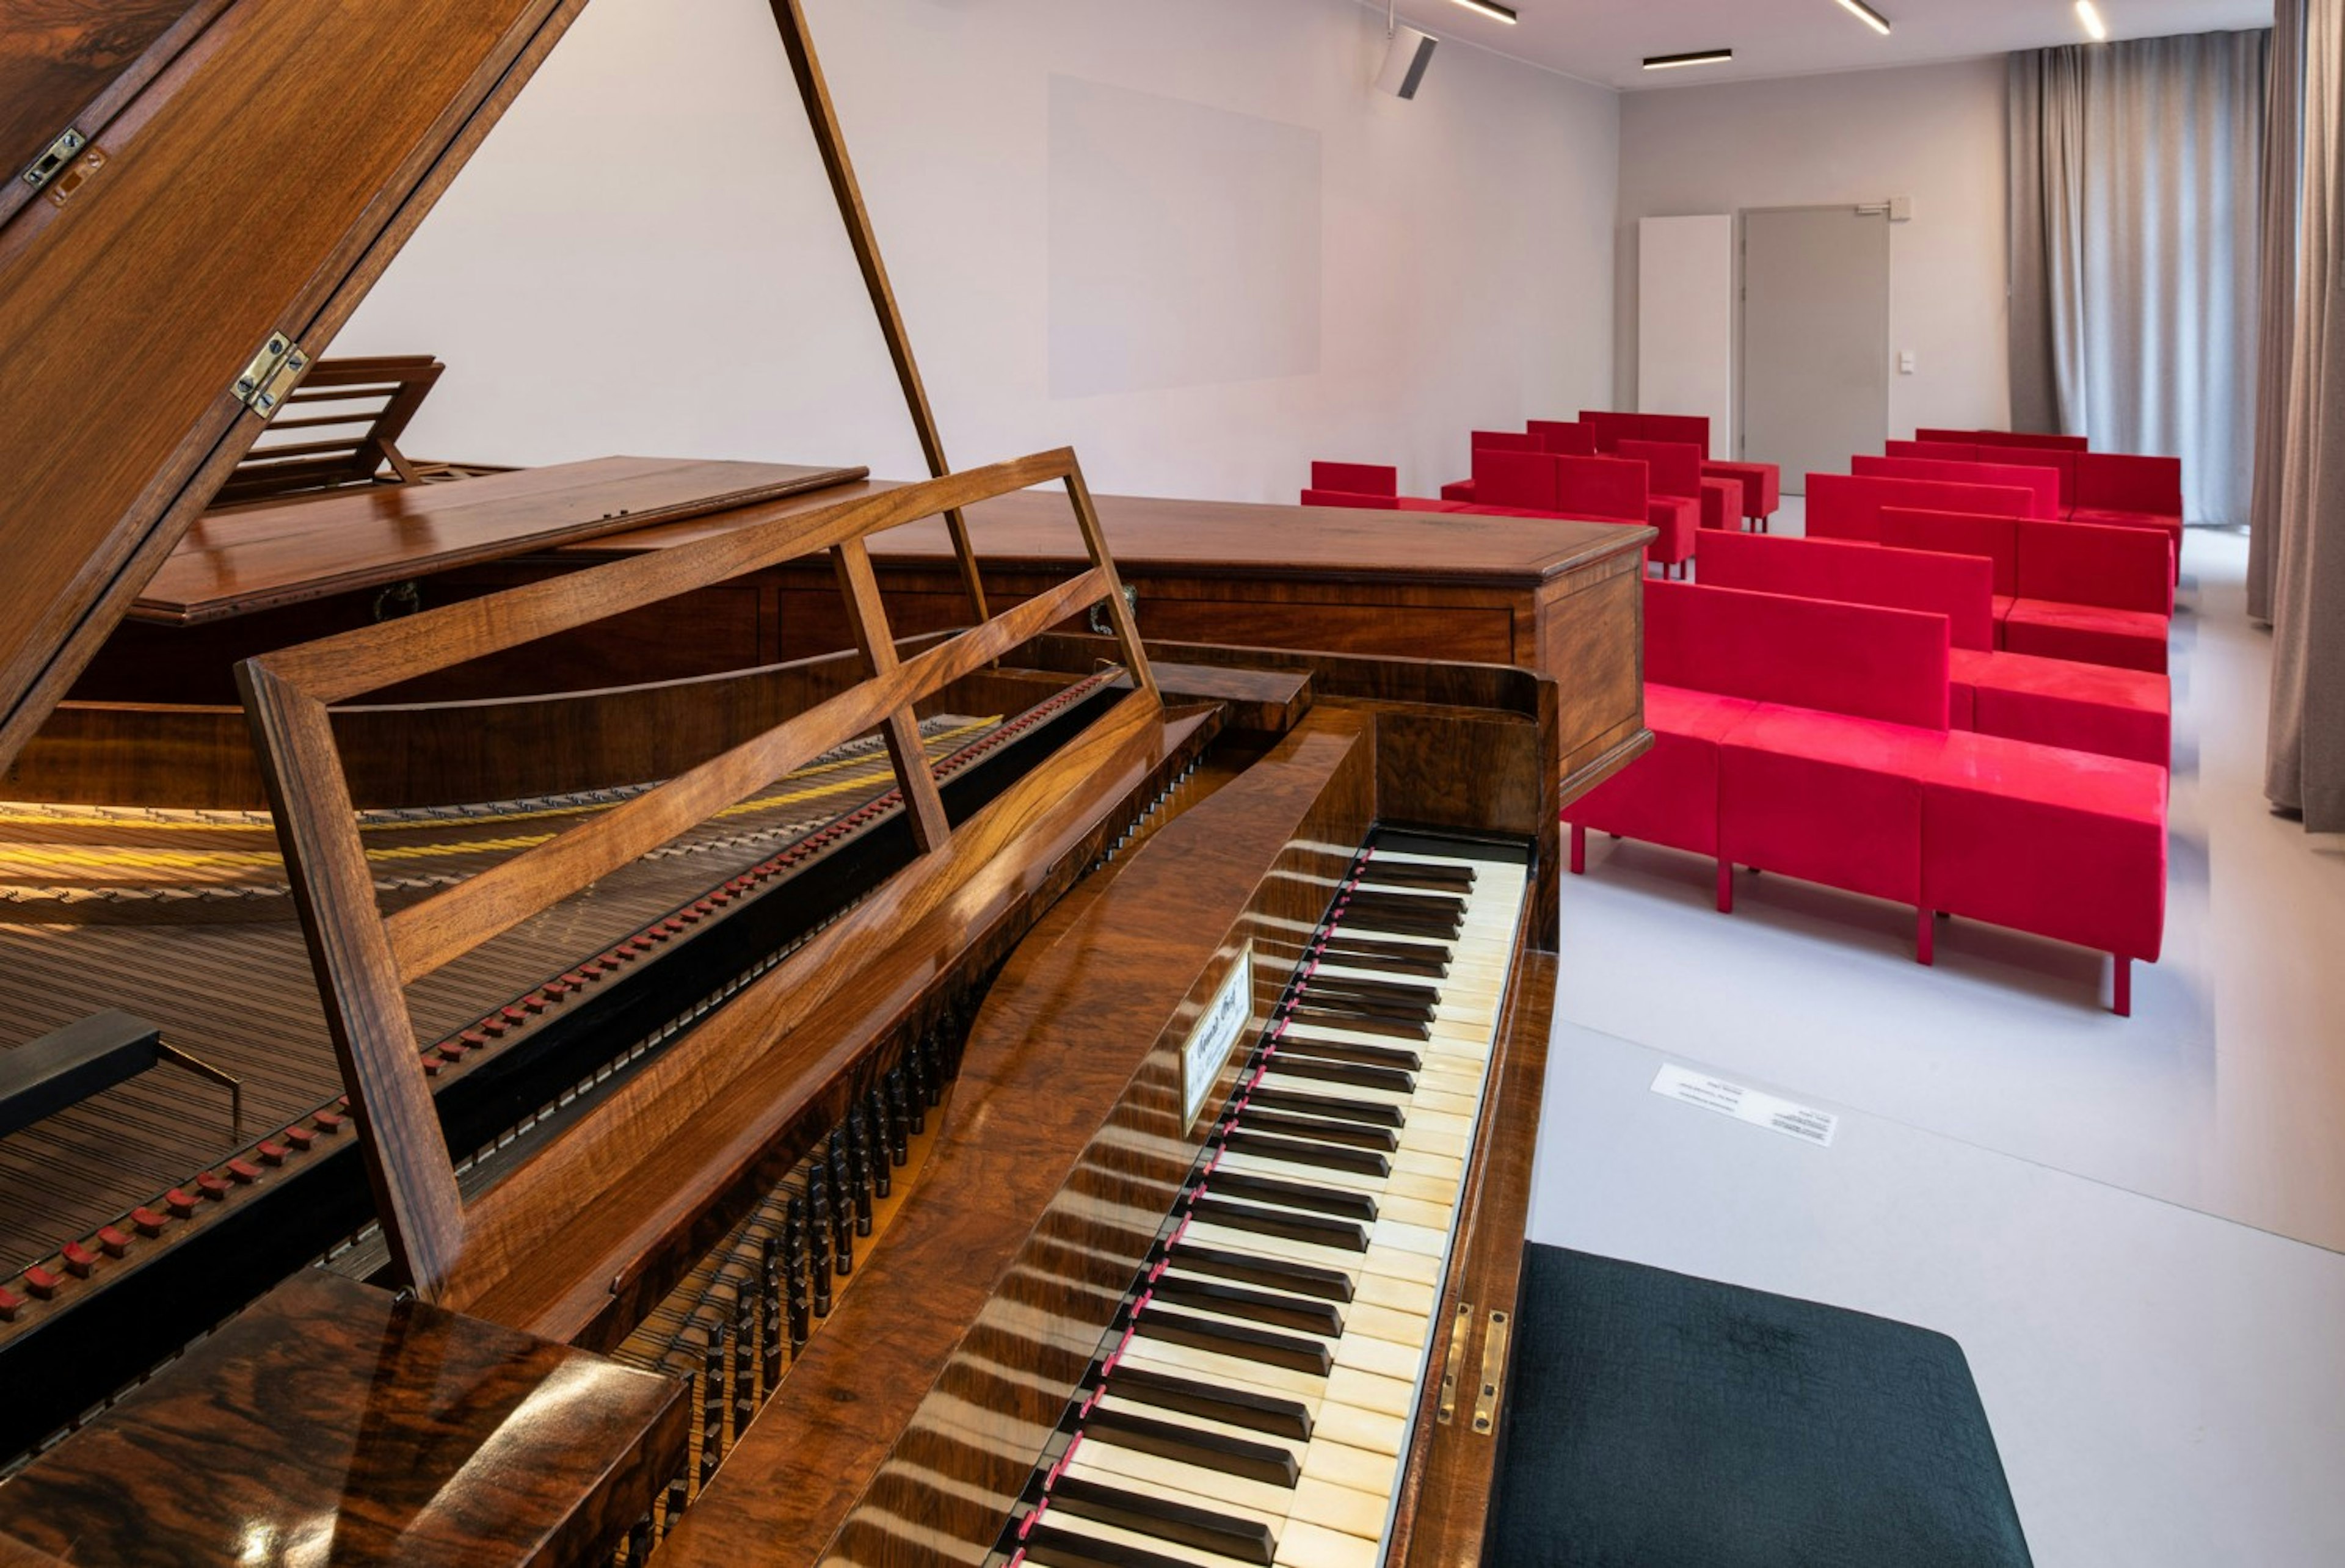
(2133, 1226)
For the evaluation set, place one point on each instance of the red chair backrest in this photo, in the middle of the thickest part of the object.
(1848, 506)
(2006, 438)
(2120, 481)
(1941, 451)
(1959, 587)
(2087, 563)
(1504, 441)
(1958, 533)
(1564, 437)
(1856, 659)
(1514, 478)
(2042, 482)
(1672, 468)
(1609, 430)
(1358, 479)
(1693, 428)
(1615, 488)
(1352, 499)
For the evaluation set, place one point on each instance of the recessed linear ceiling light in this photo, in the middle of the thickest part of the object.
(1698, 58)
(1866, 15)
(2091, 18)
(1491, 8)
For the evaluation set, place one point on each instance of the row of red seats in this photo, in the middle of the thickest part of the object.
(1832, 742)
(2066, 590)
(2115, 490)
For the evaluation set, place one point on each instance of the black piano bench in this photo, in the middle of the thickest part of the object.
(1653, 1419)
(43, 1077)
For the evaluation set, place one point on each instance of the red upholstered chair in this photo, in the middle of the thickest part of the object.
(1960, 534)
(1517, 480)
(1567, 439)
(1621, 489)
(1959, 587)
(2101, 595)
(2005, 439)
(2042, 483)
(1848, 506)
(2127, 491)
(1609, 430)
(1762, 485)
(1690, 428)
(1674, 469)
(1358, 478)
(2064, 844)
(1938, 452)
(2061, 703)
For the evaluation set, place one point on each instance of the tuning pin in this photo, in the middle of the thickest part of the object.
(819, 1235)
(900, 1127)
(794, 1277)
(679, 1494)
(639, 1543)
(858, 1170)
(916, 1084)
(744, 1359)
(711, 1414)
(770, 1315)
(876, 1148)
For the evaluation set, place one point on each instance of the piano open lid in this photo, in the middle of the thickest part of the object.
(208, 189)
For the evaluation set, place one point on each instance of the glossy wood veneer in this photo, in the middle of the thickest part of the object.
(1066, 1142)
(333, 1422)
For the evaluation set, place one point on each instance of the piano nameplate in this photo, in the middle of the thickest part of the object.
(1207, 1050)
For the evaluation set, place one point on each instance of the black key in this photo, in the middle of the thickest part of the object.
(1231, 1406)
(1049, 1546)
(1279, 1273)
(1414, 873)
(1399, 957)
(1247, 1540)
(1266, 1346)
(1359, 1110)
(1237, 1301)
(1309, 1151)
(1320, 1069)
(1396, 993)
(1417, 905)
(1342, 1015)
(1344, 1235)
(1319, 1130)
(1333, 1200)
(1206, 1450)
(1399, 1057)
(1392, 925)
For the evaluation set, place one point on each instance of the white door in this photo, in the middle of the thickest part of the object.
(1815, 338)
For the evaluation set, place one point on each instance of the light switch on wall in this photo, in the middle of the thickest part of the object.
(1905, 361)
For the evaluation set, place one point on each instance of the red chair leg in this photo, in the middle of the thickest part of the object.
(1725, 886)
(1925, 939)
(2123, 1004)
(1579, 850)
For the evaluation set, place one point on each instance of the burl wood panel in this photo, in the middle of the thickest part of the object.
(128, 309)
(1039, 1203)
(72, 62)
(333, 1421)
(233, 563)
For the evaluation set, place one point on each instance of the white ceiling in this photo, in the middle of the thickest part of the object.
(1606, 41)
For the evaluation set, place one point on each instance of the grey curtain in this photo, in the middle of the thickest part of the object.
(2275, 343)
(2306, 771)
(2136, 179)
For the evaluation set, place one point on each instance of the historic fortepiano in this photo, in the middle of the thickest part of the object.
(968, 1095)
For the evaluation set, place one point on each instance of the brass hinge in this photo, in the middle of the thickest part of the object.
(273, 372)
(1494, 1374)
(1459, 1327)
(60, 153)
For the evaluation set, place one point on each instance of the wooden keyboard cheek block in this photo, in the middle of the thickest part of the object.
(967, 1333)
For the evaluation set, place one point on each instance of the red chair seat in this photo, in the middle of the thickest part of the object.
(2063, 844)
(1669, 795)
(1458, 490)
(2093, 633)
(1827, 797)
(1678, 517)
(1721, 503)
(2061, 703)
(1761, 483)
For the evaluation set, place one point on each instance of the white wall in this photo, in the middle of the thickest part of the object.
(1935, 133)
(643, 256)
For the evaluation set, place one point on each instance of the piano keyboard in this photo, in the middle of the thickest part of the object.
(1255, 1403)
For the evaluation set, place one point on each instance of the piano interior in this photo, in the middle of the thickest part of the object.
(1019, 1093)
